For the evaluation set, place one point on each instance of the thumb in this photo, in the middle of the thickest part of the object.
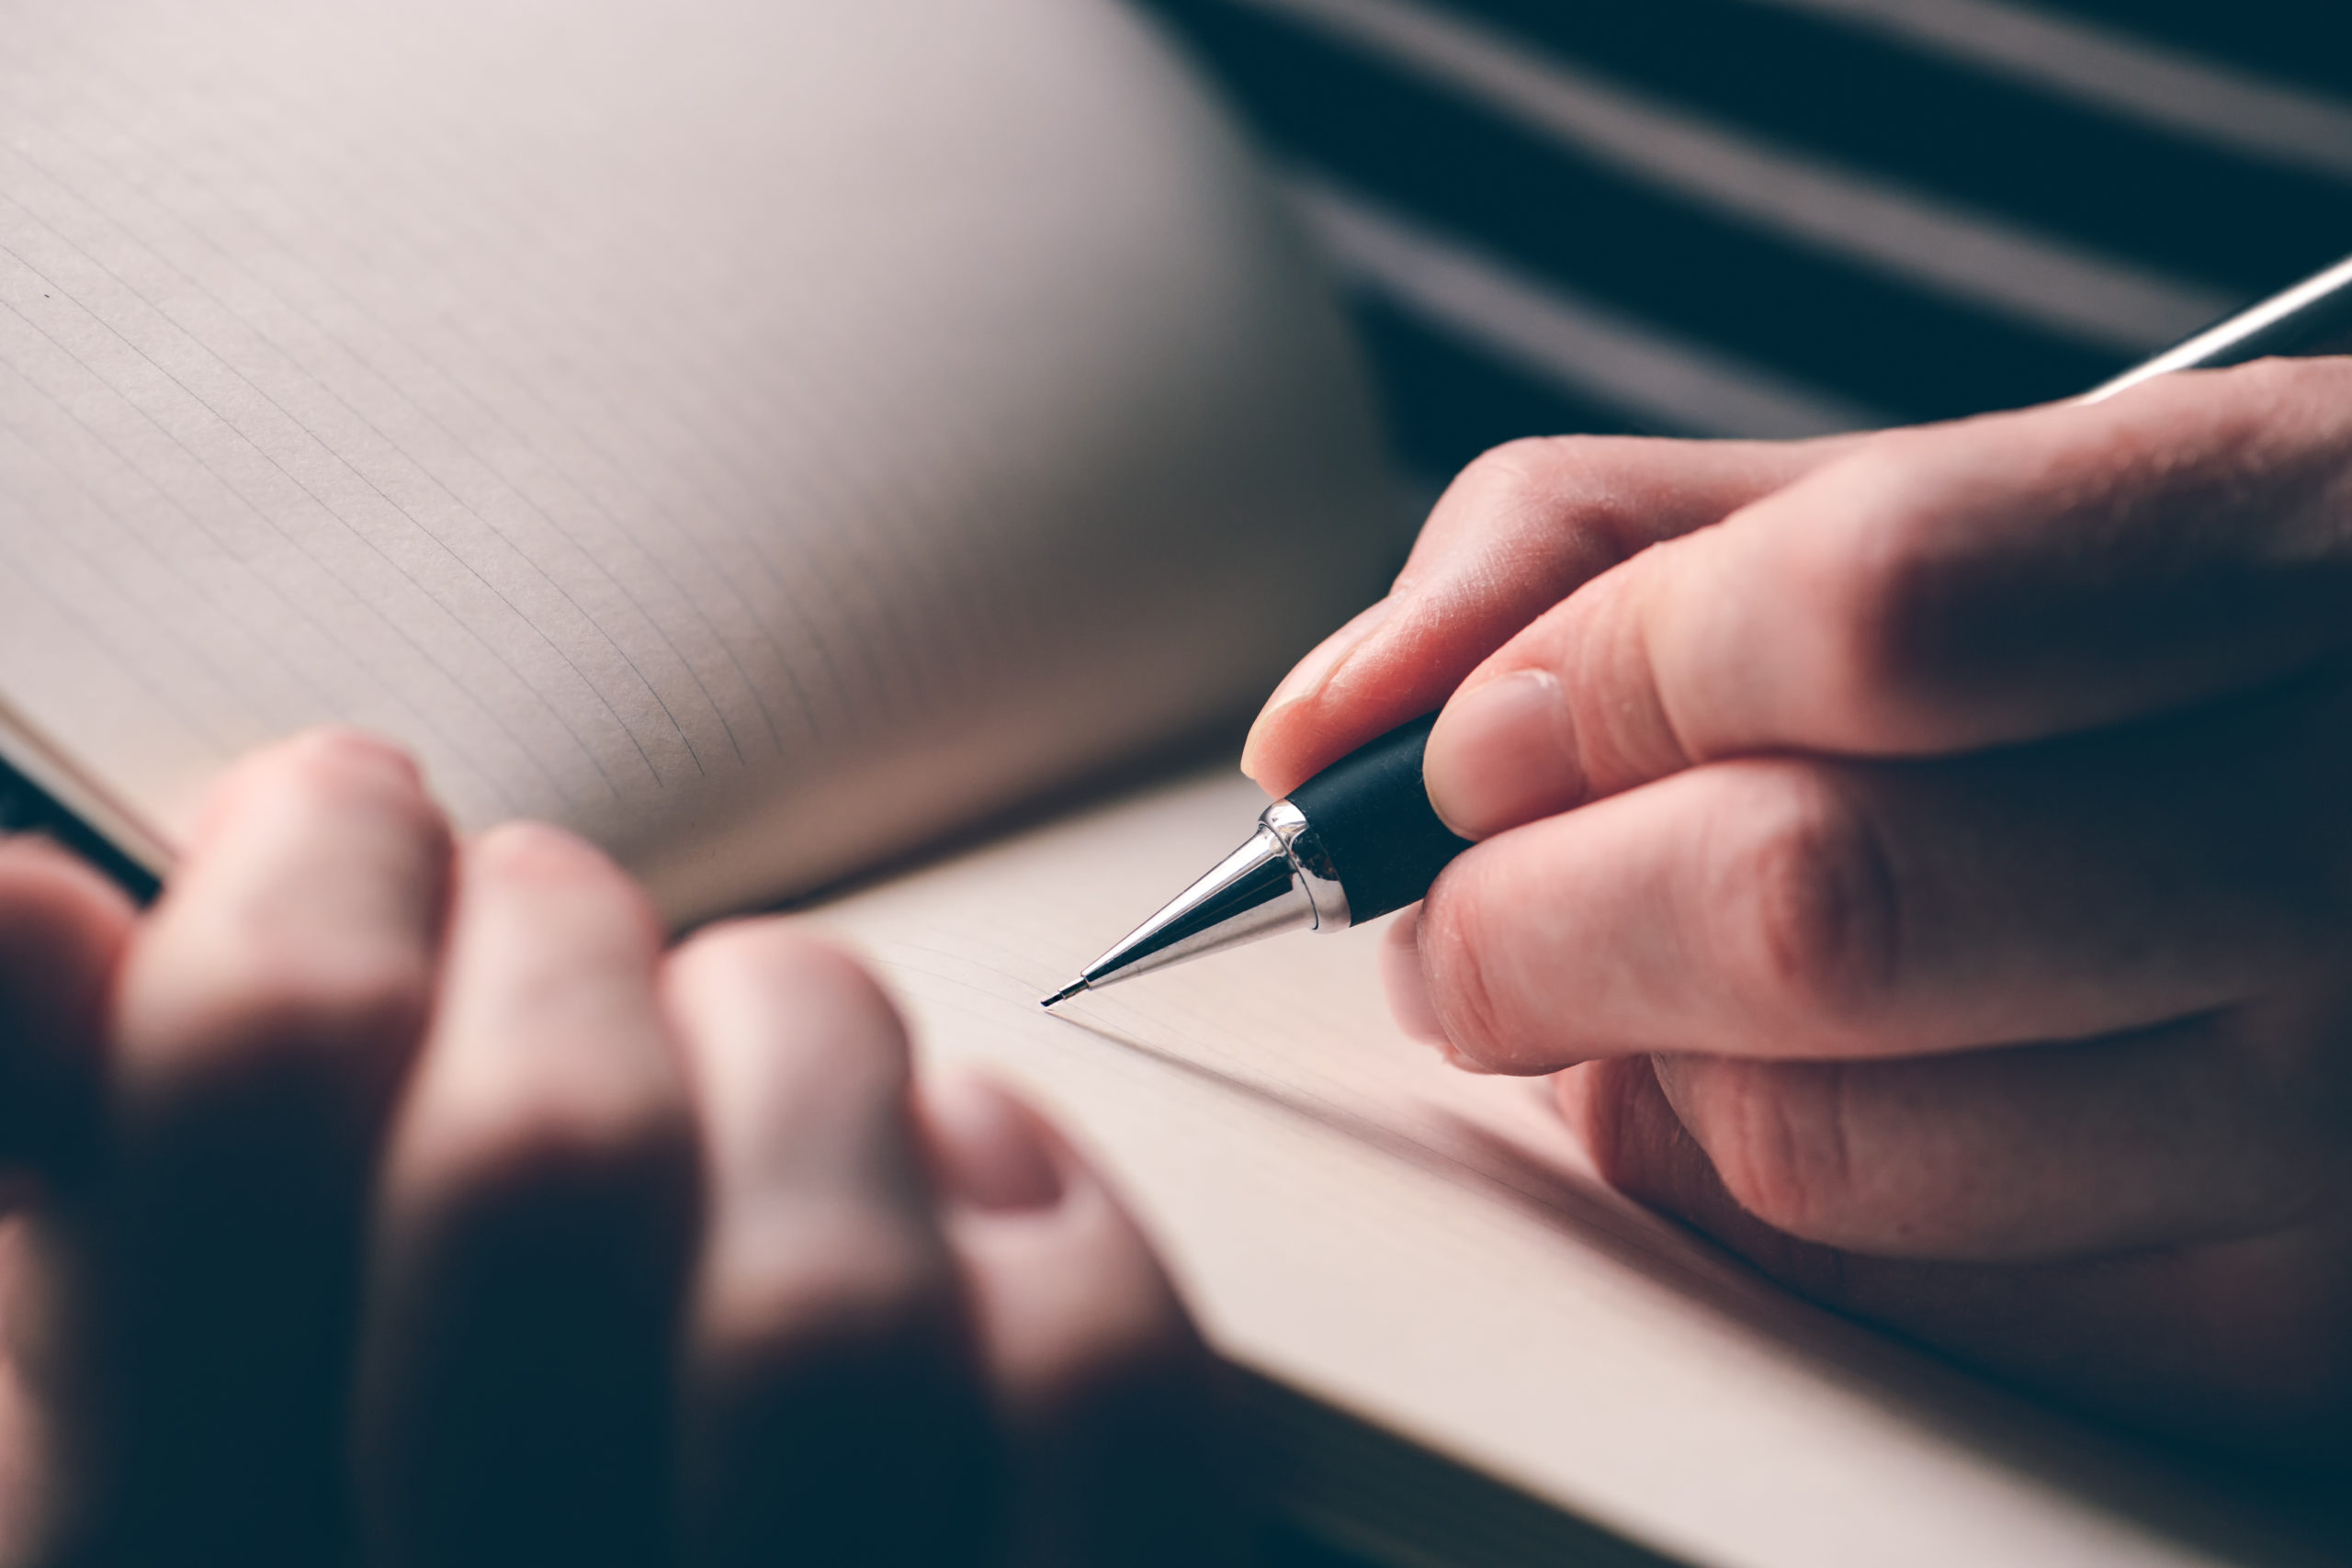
(1939, 590)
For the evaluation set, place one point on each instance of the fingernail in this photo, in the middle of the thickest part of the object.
(1503, 754)
(526, 850)
(362, 747)
(350, 758)
(1310, 674)
(1408, 987)
(993, 1152)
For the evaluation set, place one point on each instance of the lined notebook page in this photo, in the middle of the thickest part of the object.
(1419, 1246)
(758, 435)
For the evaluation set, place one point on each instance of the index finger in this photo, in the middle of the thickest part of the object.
(1938, 591)
(1515, 533)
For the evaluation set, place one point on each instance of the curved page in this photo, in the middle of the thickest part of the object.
(760, 435)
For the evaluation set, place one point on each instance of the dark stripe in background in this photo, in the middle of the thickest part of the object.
(1855, 328)
(2308, 42)
(1461, 167)
(1447, 401)
(2133, 191)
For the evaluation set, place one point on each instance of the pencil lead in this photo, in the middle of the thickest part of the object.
(1065, 992)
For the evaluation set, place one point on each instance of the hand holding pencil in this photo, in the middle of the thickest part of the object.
(1923, 857)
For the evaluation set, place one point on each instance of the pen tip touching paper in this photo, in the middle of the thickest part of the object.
(1065, 992)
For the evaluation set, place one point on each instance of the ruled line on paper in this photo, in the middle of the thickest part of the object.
(424, 721)
(876, 496)
(685, 663)
(956, 573)
(463, 363)
(751, 685)
(420, 469)
(652, 767)
(433, 186)
(349, 464)
(226, 687)
(281, 465)
(262, 513)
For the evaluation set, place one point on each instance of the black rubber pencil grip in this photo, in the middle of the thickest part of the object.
(1371, 813)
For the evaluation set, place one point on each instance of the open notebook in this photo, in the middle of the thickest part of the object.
(772, 437)
(762, 436)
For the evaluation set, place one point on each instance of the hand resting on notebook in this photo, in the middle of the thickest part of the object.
(383, 1198)
(1928, 855)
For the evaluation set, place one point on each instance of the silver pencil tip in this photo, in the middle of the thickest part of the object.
(1065, 992)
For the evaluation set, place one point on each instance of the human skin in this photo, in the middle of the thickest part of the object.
(1924, 858)
(379, 1197)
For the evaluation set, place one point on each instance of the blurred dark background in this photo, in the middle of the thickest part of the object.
(1553, 216)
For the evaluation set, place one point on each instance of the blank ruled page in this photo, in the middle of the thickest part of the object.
(761, 435)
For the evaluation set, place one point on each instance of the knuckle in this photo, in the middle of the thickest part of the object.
(717, 966)
(332, 994)
(345, 769)
(1509, 469)
(556, 1153)
(1908, 628)
(791, 966)
(1543, 474)
(817, 1281)
(273, 1000)
(2267, 395)
(549, 867)
(1890, 601)
(1804, 905)
(1610, 1106)
(538, 851)
(1543, 515)
(350, 761)
(1131, 1342)
(542, 862)
(741, 948)
(1776, 1135)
